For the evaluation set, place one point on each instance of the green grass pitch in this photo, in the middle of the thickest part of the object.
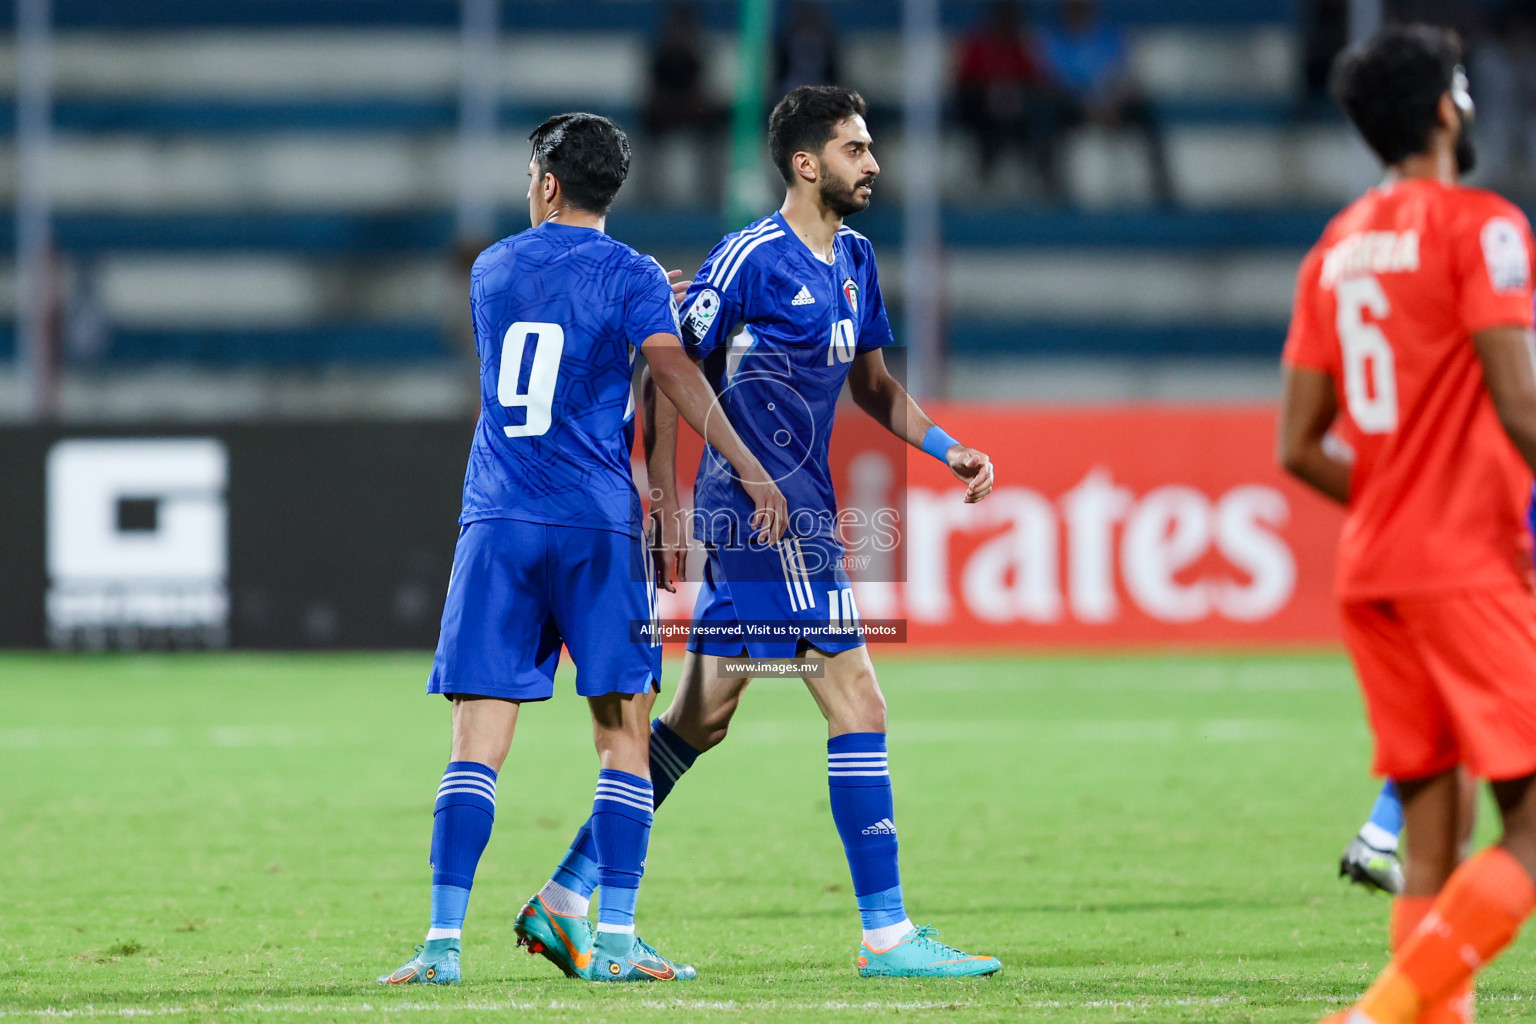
(244, 838)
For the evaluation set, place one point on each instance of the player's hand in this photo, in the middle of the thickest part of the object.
(771, 517)
(971, 468)
(669, 543)
(679, 286)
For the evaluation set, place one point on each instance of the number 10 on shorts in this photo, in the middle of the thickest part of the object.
(841, 612)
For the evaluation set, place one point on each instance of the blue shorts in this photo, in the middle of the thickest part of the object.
(797, 591)
(519, 590)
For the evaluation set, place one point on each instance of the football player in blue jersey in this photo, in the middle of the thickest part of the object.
(782, 314)
(551, 548)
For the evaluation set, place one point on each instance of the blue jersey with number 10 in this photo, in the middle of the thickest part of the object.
(778, 330)
(559, 312)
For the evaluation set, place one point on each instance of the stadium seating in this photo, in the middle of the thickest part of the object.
(271, 183)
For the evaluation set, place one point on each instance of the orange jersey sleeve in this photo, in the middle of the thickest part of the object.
(1309, 344)
(1491, 262)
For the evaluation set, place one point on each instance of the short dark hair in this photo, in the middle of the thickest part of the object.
(1390, 86)
(587, 154)
(806, 119)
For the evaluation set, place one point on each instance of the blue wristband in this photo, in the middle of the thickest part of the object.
(937, 443)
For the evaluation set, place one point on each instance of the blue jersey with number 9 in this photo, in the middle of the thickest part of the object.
(559, 312)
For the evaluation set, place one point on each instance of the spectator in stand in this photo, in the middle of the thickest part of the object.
(1086, 61)
(1502, 65)
(1324, 32)
(1001, 97)
(678, 102)
(1461, 16)
(807, 52)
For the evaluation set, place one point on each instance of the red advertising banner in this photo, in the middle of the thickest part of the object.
(1109, 526)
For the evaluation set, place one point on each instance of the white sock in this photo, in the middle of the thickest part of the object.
(563, 901)
(1378, 838)
(880, 939)
(617, 929)
(433, 934)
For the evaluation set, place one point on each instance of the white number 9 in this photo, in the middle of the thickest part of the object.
(548, 342)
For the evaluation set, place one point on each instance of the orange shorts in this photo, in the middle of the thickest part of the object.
(1449, 679)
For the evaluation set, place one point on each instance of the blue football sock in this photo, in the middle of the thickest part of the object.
(449, 904)
(461, 826)
(577, 872)
(1386, 822)
(860, 784)
(621, 831)
(671, 756)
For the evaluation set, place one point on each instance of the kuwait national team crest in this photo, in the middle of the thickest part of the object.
(851, 292)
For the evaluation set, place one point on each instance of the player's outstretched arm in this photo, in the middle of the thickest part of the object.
(1308, 407)
(882, 396)
(1508, 355)
(669, 536)
(679, 378)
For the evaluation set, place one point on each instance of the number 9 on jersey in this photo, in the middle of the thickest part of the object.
(538, 397)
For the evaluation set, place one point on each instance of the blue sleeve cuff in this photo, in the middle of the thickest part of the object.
(937, 443)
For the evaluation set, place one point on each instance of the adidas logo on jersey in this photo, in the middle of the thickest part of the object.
(883, 827)
(803, 297)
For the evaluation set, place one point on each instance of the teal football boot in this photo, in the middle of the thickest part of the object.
(919, 955)
(435, 963)
(621, 957)
(564, 941)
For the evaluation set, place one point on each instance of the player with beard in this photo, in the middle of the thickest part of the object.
(1411, 342)
(783, 314)
(1370, 859)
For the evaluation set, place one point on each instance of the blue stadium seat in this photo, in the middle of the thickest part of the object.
(694, 231)
(155, 116)
(281, 347)
(152, 115)
(1101, 339)
(591, 15)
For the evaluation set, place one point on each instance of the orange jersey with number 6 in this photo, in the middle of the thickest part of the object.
(1387, 303)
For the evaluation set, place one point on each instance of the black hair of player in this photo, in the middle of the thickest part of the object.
(588, 155)
(805, 121)
(1390, 87)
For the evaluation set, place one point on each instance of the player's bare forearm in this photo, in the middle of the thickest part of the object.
(1325, 473)
(669, 533)
(1308, 407)
(659, 419)
(1509, 370)
(680, 379)
(881, 395)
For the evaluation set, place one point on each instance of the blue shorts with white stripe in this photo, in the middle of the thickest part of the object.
(768, 601)
(521, 590)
